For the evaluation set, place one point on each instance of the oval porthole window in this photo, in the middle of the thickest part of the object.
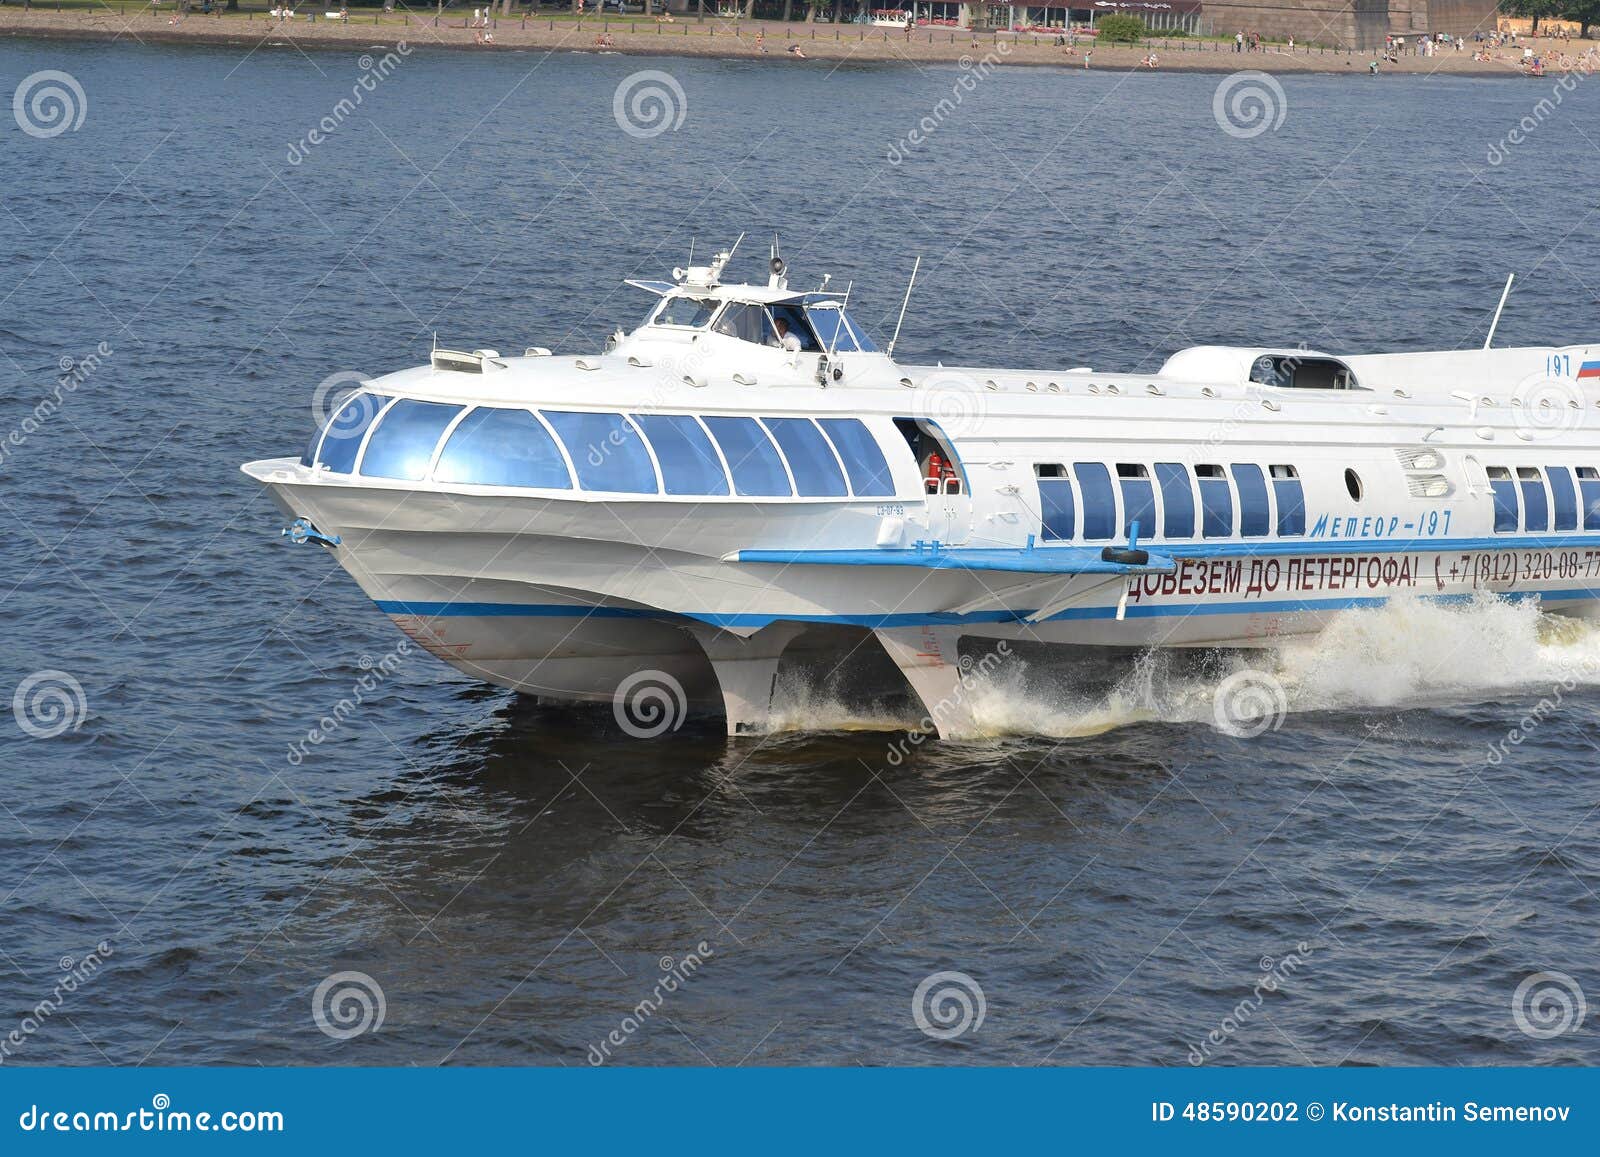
(1352, 483)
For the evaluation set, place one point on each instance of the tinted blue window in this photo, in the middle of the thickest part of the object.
(816, 470)
(1591, 502)
(1099, 502)
(831, 328)
(1291, 505)
(1505, 505)
(863, 343)
(1253, 516)
(757, 469)
(1138, 505)
(689, 462)
(1216, 503)
(863, 459)
(342, 436)
(402, 444)
(493, 447)
(1535, 506)
(1566, 498)
(1177, 500)
(606, 451)
(1055, 508)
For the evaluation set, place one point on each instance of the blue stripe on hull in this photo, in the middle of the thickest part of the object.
(916, 619)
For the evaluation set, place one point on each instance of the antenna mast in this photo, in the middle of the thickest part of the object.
(1495, 324)
(901, 321)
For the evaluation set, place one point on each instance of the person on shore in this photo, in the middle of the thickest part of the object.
(761, 41)
(794, 50)
(1238, 41)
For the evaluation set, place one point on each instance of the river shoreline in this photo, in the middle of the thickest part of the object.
(722, 39)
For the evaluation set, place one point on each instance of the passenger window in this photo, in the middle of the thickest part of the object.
(1564, 496)
(1057, 517)
(341, 437)
(1589, 490)
(496, 447)
(1138, 499)
(606, 451)
(1254, 518)
(1177, 499)
(1099, 501)
(863, 458)
(811, 461)
(745, 322)
(1535, 505)
(757, 468)
(402, 444)
(1216, 502)
(1505, 500)
(689, 462)
(1291, 500)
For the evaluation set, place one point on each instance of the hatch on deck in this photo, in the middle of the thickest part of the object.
(1284, 369)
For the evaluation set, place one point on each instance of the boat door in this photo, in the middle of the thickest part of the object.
(947, 491)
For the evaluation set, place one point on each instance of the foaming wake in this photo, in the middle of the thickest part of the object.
(1405, 653)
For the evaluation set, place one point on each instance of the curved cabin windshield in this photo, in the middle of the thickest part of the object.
(685, 312)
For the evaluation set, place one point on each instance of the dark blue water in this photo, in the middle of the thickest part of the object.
(1116, 875)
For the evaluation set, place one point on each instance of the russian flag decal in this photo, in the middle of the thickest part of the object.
(1589, 370)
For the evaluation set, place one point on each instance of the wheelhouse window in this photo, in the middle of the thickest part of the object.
(689, 462)
(341, 437)
(685, 312)
(606, 451)
(502, 447)
(745, 322)
(862, 456)
(402, 444)
(816, 471)
(757, 468)
(836, 331)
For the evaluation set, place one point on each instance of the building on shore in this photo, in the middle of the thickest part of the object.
(1362, 25)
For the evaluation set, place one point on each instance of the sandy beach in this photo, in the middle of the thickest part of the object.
(826, 43)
